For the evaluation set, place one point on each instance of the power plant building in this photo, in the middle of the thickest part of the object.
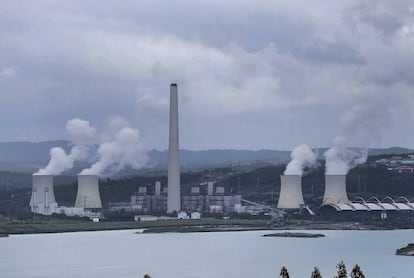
(205, 197)
(291, 196)
(42, 200)
(149, 198)
(208, 197)
(335, 189)
(88, 192)
(174, 187)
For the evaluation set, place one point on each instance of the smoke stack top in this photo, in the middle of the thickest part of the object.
(302, 156)
(81, 135)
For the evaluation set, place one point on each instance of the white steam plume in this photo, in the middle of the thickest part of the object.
(124, 149)
(361, 125)
(302, 156)
(340, 159)
(81, 135)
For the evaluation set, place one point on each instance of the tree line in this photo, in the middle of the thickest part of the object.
(356, 272)
(341, 272)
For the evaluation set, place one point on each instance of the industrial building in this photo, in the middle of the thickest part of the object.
(149, 198)
(208, 197)
(205, 197)
(42, 200)
(337, 205)
(291, 196)
(335, 189)
(88, 196)
(374, 204)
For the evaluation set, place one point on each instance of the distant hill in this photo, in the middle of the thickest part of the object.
(215, 158)
(28, 157)
(392, 150)
(28, 151)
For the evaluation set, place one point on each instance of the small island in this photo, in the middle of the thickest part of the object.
(406, 251)
(290, 234)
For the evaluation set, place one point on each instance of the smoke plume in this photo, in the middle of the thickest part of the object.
(81, 135)
(361, 125)
(122, 149)
(340, 159)
(302, 156)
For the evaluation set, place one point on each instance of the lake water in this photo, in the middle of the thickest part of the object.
(108, 254)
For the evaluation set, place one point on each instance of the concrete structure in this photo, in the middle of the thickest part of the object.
(373, 204)
(174, 200)
(147, 200)
(182, 215)
(209, 200)
(88, 192)
(195, 215)
(210, 188)
(157, 188)
(291, 196)
(335, 189)
(154, 198)
(42, 200)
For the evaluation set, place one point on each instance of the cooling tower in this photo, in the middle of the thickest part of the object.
(173, 200)
(335, 189)
(42, 191)
(88, 192)
(291, 196)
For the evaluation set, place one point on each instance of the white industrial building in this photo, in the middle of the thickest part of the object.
(335, 189)
(42, 200)
(291, 196)
(88, 192)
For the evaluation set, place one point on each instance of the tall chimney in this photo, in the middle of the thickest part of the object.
(173, 200)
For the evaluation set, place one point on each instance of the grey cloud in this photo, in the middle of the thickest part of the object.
(8, 72)
(336, 52)
(386, 17)
(240, 67)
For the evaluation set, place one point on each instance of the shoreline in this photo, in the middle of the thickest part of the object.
(181, 226)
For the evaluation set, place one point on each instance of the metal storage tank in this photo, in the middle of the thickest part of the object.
(88, 192)
(291, 196)
(335, 189)
(42, 191)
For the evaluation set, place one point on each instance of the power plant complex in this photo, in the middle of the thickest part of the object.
(208, 196)
(88, 197)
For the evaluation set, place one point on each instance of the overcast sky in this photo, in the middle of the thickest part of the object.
(250, 74)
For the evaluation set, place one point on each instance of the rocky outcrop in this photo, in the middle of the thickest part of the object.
(406, 251)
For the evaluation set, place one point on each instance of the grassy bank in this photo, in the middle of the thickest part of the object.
(55, 226)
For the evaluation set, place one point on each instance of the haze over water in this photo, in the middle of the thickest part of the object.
(110, 254)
